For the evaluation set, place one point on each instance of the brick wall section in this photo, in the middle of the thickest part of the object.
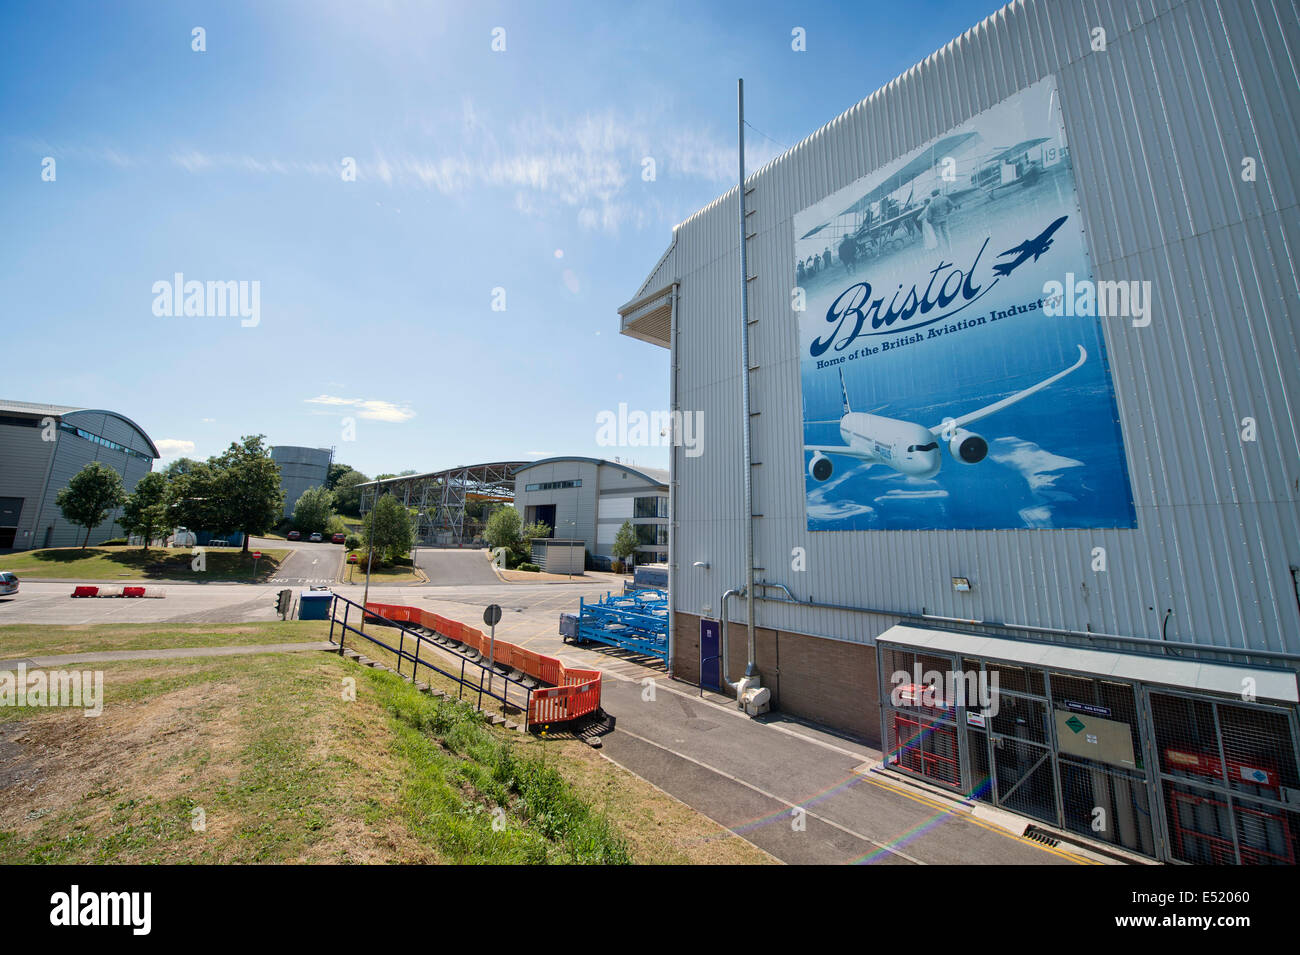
(826, 681)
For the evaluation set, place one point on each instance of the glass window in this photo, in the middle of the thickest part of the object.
(552, 485)
(656, 506)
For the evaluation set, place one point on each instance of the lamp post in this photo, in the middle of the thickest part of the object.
(370, 559)
(574, 525)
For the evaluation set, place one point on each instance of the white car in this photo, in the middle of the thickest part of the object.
(8, 583)
(315, 538)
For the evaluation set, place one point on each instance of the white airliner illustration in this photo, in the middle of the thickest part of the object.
(911, 448)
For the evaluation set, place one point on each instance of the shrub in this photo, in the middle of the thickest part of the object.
(353, 541)
(530, 567)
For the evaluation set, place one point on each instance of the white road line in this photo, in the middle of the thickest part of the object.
(774, 796)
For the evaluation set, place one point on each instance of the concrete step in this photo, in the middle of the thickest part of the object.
(496, 719)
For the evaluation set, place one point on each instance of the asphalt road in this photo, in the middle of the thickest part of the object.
(307, 564)
(456, 568)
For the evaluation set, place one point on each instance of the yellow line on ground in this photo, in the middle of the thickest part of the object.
(937, 804)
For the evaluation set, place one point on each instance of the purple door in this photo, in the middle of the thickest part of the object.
(710, 677)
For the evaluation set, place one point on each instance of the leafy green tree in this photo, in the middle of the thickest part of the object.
(314, 510)
(336, 471)
(192, 499)
(535, 529)
(387, 529)
(248, 488)
(180, 466)
(145, 508)
(347, 496)
(503, 528)
(625, 542)
(89, 497)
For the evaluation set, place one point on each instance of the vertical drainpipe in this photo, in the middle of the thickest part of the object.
(674, 419)
(750, 668)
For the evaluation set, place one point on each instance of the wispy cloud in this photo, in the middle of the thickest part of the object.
(594, 165)
(174, 447)
(371, 409)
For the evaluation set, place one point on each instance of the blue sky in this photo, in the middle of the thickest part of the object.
(475, 170)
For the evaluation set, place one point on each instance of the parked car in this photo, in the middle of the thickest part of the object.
(339, 538)
(315, 537)
(294, 536)
(8, 583)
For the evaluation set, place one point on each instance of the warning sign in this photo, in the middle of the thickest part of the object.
(1092, 737)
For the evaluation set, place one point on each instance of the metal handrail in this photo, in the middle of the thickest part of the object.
(402, 653)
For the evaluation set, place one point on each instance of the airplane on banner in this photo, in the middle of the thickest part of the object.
(1035, 247)
(913, 449)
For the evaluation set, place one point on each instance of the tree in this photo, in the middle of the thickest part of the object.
(314, 509)
(387, 528)
(248, 488)
(192, 498)
(336, 471)
(145, 509)
(347, 496)
(180, 466)
(93, 491)
(625, 542)
(503, 528)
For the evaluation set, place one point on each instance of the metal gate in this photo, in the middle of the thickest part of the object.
(1228, 779)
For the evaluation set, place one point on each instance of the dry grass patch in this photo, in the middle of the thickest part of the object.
(282, 768)
(19, 640)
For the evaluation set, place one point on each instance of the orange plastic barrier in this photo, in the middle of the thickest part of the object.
(573, 692)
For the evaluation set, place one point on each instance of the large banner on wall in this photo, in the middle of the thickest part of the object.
(936, 391)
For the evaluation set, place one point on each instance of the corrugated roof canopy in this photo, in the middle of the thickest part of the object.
(1162, 671)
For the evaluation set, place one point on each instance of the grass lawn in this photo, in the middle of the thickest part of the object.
(23, 639)
(381, 573)
(262, 759)
(131, 563)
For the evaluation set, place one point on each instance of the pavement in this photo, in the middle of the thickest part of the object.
(802, 794)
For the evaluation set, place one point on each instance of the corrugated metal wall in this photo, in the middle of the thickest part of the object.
(24, 462)
(300, 469)
(71, 454)
(1158, 125)
(575, 507)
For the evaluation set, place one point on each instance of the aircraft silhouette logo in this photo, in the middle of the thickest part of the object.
(1034, 247)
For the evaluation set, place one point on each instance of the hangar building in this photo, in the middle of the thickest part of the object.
(588, 499)
(41, 448)
(1000, 368)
